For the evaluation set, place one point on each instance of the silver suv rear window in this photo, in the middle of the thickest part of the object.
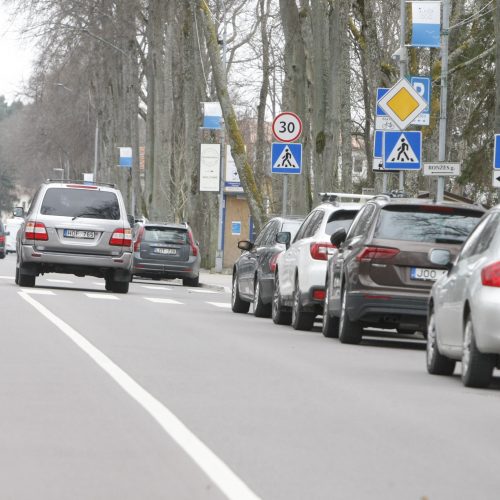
(165, 235)
(426, 223)
(69, 202)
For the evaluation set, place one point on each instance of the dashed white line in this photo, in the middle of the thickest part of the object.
(222, 305)
(37, 291)
(152, 287)
(158, 300)
(103, 296)
(6, 277)
(222, 476)
(198, 290)
(98, 283)
(59, 281)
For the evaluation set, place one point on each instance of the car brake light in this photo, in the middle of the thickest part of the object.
(194, 248)
(2, 238)
(36, 231)
(370, 253)
(319, 294)
(137, 244)
(80, 186)
(321, 251)
(490, 275)
(121, 237)
(273, 260)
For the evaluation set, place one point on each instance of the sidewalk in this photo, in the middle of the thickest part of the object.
(218, 281)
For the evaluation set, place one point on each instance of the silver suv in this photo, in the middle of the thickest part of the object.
(75, 228)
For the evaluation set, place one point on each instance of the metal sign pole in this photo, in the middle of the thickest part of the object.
(285, 194)
(402, 69)
(444, 94)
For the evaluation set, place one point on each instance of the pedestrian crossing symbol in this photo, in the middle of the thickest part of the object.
(402, 150)
(286, 158)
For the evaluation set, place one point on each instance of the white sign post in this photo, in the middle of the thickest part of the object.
(210, 167)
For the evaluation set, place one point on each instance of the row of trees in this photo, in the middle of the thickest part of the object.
(139, 69)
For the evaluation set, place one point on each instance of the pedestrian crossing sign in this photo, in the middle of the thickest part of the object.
(286, 158)
(402, 150)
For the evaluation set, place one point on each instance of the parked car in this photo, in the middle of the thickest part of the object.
(253, 272)
(11, 228)
(75, 228)
(382, 276)
(2, 241)
(299, 288)
(463, 313)
(166, 251)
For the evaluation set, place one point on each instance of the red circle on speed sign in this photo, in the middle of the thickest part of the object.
(287, 127)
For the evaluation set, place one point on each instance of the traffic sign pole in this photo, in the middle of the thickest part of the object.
(402, 69)
(444, 94)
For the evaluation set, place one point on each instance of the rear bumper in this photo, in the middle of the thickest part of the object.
(186, 269)
(39, 261)
(387, 310)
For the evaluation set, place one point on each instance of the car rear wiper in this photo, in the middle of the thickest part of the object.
(85, 215)
(449, 240)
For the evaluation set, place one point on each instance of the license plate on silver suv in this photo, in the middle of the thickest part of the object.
(77, 233)
(425, 274)
(167, 251)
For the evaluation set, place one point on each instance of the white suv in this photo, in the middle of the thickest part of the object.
(299, 289)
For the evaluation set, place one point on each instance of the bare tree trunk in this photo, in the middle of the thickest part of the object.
(497, 39)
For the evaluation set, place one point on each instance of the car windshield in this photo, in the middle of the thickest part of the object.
(291, 226)
(340, 219)
(158, 234)
(74, 203)
(426, 223)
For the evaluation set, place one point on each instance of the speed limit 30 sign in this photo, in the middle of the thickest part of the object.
(287, 127)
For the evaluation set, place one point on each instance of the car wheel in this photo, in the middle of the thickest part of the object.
(437, 364)
(477, 367)
(330, 326)
(194, 282)
(260, 310)
(280, 315)
(301, 320)
(117, 286)
(25, 280)
(2, 255)
(16, 280)
(237, 304)
(350, 332)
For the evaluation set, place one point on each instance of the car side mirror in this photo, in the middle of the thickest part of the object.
(284, 237)
(441, 257)
(245, 245)
(7, 233)
(18, 212)
(338, 237)
(131, 220)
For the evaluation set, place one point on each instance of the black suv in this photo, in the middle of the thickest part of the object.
(381, 275)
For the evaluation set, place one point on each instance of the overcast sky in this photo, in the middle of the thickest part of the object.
(16, 56)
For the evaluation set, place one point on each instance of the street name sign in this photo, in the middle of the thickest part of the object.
(402, 103)
(286, 158)
(442, 168)
(402, 150)
(287, 127)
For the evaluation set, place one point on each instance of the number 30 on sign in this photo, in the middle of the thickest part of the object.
(287, 127)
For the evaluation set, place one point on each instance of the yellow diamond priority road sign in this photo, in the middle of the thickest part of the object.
(402, 104)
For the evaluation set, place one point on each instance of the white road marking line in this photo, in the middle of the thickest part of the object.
(198, 290)
(163, 301)
(223, 477)
(103, 296)
(37, 291)
(223, 305)
(59, 281)
(152, 287)
(98, 283)
(6, 277)
(227, 289)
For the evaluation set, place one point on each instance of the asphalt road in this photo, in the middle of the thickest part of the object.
(164, 393)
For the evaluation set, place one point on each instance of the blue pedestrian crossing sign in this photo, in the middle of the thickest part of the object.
(286, 158)
(403, 150)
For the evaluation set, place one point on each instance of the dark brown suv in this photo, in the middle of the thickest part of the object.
(381, 275)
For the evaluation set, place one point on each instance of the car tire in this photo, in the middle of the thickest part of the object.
(2, 255)
(330, 327)
(280, 315)
(117, 286)
(301, 320)
(237, 304)
(437, 364)
(260, 310)
(477, 368)
(26, 280)
(350, 332)
(16, 279)
(194, 282)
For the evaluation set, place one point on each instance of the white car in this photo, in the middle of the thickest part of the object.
(11, 228)
(463, 320)
(300, 273)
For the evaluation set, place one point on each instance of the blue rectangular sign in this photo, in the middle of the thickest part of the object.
(381, 93)
(496, 155)
(422, 84)
(286, 158)
(403, 150)
(378, 144)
